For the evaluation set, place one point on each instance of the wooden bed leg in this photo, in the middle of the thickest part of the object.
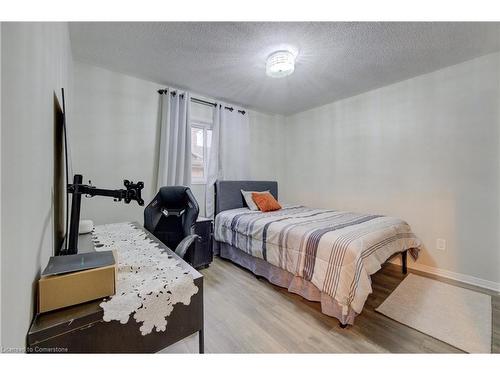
(404, 259)
(343, 326)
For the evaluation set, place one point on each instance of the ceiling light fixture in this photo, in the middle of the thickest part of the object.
(280, 64)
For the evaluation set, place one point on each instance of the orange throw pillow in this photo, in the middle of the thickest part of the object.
(265, 202)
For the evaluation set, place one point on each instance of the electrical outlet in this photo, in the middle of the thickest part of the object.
(440, 244)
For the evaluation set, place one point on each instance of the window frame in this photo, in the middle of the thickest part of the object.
(204, 126)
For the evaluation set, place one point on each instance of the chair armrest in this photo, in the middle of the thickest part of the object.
(183, 246)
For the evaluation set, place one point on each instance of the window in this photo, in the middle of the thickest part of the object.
(201, 139)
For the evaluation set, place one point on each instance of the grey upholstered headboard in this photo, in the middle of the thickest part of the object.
(228, 193)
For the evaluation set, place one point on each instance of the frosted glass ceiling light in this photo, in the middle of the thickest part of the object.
(280, 64)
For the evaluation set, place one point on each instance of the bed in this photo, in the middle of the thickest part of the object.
(323, 255)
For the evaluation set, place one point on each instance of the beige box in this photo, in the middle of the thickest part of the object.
(58, 291)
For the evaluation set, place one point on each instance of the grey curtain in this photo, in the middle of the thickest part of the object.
(229, 152)
(174, 159)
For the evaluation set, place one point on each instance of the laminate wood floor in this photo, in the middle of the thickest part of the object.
(244, 314)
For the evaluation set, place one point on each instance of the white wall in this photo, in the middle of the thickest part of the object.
(114, 136)
(0, 180)
(267, 144)
(425, 149)
(36, 63)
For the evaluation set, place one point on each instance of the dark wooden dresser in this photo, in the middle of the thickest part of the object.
(81, 329)
(201, 254)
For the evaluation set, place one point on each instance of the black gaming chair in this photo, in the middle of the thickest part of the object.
(171, 216)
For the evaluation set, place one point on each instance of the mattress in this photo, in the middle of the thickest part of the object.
(336, 251)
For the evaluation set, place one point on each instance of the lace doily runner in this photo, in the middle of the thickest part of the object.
(149, 281)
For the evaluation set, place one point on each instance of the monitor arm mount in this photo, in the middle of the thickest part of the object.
(77, 189)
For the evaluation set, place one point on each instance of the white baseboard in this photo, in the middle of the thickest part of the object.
(467, 279)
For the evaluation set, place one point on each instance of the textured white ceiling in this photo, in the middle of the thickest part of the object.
(227, 60)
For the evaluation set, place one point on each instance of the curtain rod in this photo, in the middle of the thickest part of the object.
(200, 101)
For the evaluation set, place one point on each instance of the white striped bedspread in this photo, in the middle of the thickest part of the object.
(336, 251)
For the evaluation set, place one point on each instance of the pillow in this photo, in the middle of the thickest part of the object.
(266, 202)
(248, 199)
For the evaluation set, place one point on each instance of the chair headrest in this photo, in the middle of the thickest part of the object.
(174, 197)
